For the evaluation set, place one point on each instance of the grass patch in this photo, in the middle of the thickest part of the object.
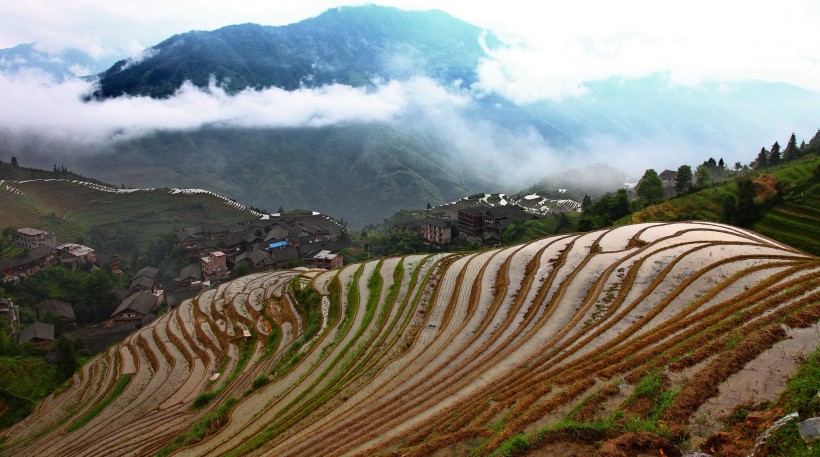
(207, 425)
(259, 381)
(97, 409)
(203, 399)
(786, 442)
(802, 388)
(244, 357)
(273, 339)
(517, 445)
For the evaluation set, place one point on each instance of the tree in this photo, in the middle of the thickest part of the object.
(791, 152)
(621, 208)
(586, 203)
(650, 187)
(684, 180)
(703, 177)
(241, 270)
(97, 293)
(721, 164)
(729, 210)
(762, 159)
(774, 156)
(66, 358)
(738, 166)
(5, 344)
(14, 163)
(564, 225)
(746, 209)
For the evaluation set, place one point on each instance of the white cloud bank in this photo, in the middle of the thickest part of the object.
(34, 103)
(34, 106)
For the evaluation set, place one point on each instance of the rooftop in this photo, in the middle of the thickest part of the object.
(77, 250)
(37, 330)
(31, 231)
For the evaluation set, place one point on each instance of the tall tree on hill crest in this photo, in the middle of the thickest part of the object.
(791, 152)
(762, 159)
(650, 187)
(703, 178)
(683, 182)
(774, 156)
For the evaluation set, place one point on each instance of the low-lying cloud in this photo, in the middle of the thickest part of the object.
(34, 103)
(630, 134)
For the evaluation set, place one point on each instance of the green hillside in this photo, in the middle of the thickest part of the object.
(109, 219)
(787, 203)
(360, 172)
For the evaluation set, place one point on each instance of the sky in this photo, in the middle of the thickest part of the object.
(693, 40)
(556, 49)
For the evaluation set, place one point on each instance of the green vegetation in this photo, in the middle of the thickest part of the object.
(517, 445)
(801, 396)
(202, 399)
(520, 232)
(259, 381)
(90, 293)
(777, 201)
(650, 188)
(13, 170)
(274, 337)
(208, 424)
(802, 388)
(311, 303)
(110, 222)
(25, 381)
(604, 211)
(101, 406)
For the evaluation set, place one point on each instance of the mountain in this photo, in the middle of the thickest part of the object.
(615, 339)
(362, 173)
(409, 121)
(63, 65)
(346, 45)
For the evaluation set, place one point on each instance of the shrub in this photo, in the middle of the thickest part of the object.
(203, 399)
(259, 381)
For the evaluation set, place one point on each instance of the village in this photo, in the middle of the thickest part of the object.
(214, 253)
(218, 252)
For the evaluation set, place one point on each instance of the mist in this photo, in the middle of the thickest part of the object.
(49, 120)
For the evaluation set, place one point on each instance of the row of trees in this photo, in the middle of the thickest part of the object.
(739, 209)
(766, 158)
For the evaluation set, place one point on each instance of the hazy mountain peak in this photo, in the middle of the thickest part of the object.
(66, 64)
(347, 45)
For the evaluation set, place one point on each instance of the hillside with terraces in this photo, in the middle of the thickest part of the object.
(71, 208)
(586, 342)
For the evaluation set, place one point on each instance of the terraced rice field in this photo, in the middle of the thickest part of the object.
(72, 208)
(450, 353)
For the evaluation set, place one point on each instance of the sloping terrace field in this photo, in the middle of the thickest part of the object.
(448, 353)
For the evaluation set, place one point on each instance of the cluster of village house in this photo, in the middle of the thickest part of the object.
(214, 250)
(42, 250)
(475, 223)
